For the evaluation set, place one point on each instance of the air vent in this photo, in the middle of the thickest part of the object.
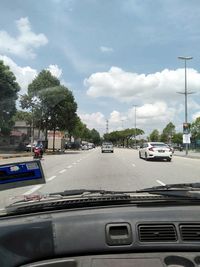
(190, 232)
(157, 233)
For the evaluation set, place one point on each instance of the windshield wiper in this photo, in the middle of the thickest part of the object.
(75, 192)
(188, 190)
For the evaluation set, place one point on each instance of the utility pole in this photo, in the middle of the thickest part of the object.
(107, 126)
(135, 132)
(186, 93)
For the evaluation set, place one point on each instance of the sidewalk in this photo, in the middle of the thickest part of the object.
(191, 154)
(14, 154)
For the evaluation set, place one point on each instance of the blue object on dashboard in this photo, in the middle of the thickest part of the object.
(21, 174)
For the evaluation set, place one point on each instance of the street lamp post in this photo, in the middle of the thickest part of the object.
(186, 94)
(135, 126)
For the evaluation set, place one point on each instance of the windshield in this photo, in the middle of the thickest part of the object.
(95, 90)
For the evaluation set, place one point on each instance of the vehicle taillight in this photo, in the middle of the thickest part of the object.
(151, 149)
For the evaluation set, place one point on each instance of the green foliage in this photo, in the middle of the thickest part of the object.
(195, 129)
(81, 131)
(168, 133)
(53, 105)
(154, 136)
(177, 138)
(119, 137)
(95, 137)
(23, 116)
(44, 80)
(58, 108)
(8, 95)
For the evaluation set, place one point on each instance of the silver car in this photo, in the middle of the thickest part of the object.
(107, 147)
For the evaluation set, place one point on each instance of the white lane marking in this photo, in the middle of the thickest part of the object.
(35, 188)
(160, 182)
(133, 165)
(74, 163)
(70, 166)
(51, 178)
(62, 171)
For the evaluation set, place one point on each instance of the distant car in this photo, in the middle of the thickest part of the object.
(178, 147)
(107, 147)
(84, 147)
(90, 146)
(155, 150)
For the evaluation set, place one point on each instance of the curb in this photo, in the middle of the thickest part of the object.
(30, 155)
(14, 156)
(187, 157)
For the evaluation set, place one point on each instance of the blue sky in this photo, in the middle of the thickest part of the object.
(111, 54)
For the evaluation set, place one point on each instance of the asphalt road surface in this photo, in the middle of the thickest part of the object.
(121, 170)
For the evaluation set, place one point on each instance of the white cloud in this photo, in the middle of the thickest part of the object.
(24, 43)
(94, 120)
(196, 115)
(128, 86)
(106, 49)
(55, 70)
(24, 75)
(149, 117)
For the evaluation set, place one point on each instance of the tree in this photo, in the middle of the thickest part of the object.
(23, 116)
(95, 136)
(44, 80)
(8, 95)
(119, 137)
(195, 129)
(55, 106)
(154, 136)
(177, 138)
(168, 133)
(59, 107)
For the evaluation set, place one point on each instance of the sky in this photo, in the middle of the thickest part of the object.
(113, 55)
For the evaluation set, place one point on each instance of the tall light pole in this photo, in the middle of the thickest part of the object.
(135, 132)
(186, 94)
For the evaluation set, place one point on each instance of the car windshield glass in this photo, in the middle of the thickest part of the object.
(105, 94)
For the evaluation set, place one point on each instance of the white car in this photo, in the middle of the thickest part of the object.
(107, 147)
(155, 150)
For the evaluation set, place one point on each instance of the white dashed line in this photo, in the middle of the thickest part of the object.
(51, 178)
(74, 163)
(35, 188)
(160, 182)
(62, 171)
(133, 165)
(70, 166)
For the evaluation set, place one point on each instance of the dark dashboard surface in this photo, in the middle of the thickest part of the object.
(117, 232)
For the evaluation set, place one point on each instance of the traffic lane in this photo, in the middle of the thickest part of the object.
(158, 172)
(99, 171)
(52, 165)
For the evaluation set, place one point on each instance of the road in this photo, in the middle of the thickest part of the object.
(122, 170)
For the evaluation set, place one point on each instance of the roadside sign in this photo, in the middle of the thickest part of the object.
(186, 138)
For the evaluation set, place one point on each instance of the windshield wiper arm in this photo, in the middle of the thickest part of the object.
(75, 192)
(189, 190)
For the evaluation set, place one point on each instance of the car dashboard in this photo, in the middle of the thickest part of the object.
(126, 236)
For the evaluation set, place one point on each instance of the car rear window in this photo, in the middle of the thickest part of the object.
(158, 145)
